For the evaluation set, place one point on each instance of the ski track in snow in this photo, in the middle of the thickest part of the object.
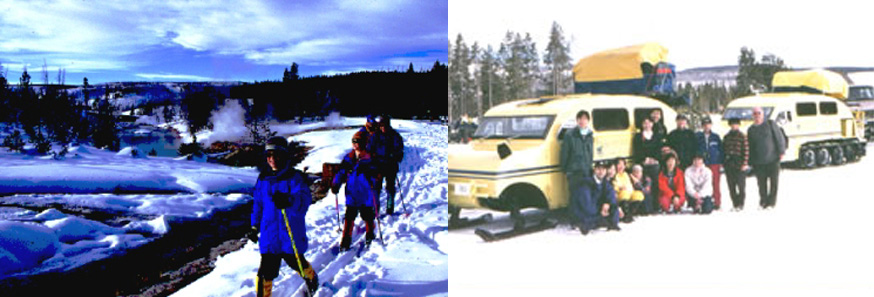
(413, 261)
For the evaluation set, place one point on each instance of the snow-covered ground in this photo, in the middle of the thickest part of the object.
(413, 261)
(150, 192)
(816, 242)
(89, 170)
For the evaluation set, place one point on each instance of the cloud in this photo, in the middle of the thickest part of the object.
(111, 34)
(173, 77)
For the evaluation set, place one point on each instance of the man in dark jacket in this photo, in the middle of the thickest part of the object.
(281, 200)
(710, 146)
(387, 150)
(736, 163)
(767, 145)
(576, 162)
(682, 140)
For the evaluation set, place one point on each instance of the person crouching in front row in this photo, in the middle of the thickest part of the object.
(602, 202)
(699, 186)
(672, 192)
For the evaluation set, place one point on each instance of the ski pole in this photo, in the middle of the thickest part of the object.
(401, 197)
(293, 246)
(378, 222)
(337, 206)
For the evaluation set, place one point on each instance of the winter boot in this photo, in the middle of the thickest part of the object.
(264, 287)
(390, 204)
(370, 235)
(311, 279)
(347, 235)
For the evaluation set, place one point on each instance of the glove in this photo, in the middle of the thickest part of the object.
(253, 234)
(281, 200)
(335, 188)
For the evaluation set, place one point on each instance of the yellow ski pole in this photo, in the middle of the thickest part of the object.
(293, 246)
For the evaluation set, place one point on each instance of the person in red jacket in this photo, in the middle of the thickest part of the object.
(672, 191)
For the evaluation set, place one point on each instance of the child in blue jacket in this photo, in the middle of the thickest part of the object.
(358, 172)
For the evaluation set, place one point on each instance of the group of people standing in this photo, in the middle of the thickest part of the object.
(282, 198)
(669, 170)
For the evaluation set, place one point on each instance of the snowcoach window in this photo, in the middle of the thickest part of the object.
(642, 113)
(805, 109)
(744, 113)
(526, 127)
(610, 119)
(828, 108)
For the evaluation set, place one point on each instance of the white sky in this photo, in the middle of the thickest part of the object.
(696, 33)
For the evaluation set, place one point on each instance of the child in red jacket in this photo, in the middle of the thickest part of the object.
(672, 191)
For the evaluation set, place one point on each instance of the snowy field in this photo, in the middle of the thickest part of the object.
(413, 261)
(147, 193)
(816, 242)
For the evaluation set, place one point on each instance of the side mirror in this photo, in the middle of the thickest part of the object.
(504, 151)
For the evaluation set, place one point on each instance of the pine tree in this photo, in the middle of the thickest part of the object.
(489, 81)
(105, 132)
(557, 62)
(461, 84)
(411, 70)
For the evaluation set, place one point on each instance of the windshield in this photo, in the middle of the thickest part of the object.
(861, 93)
(744, 113)
(531, 127)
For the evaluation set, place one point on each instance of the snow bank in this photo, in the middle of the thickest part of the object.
(25, 245)
(71, 229)
(157, 226)
(100, 171)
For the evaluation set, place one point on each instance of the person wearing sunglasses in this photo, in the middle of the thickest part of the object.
(358, 172)
(282, 198)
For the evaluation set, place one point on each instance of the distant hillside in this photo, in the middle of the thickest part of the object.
(726, 75)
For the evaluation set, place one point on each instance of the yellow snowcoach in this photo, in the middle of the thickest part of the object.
(512, 162)
(809, 106)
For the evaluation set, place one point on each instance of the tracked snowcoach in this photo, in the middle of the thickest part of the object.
(809, 106)
(512, 162)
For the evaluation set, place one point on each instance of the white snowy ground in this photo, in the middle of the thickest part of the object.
(413, 262)
(816, 242)
(89, 170)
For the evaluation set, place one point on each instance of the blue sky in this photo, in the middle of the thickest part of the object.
(213, 40)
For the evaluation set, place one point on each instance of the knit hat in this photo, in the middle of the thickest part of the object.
(277, 144)
(733, 121)
(359, 137)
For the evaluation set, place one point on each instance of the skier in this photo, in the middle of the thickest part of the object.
(387, 150)
(369, 129)
(710, 146)
(282, 197)
(358, 172)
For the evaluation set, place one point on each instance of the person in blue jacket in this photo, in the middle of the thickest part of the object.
(358, 172)
(603, 205)
(710, 146)
(282, 197)
(386, 147)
